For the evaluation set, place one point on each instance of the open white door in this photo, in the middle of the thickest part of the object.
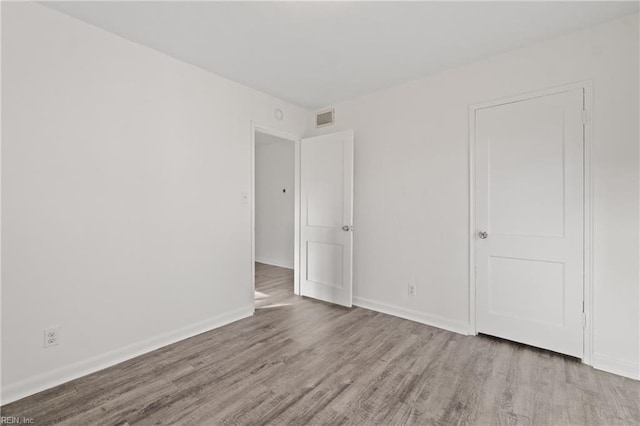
(326, 214)
(530, 221)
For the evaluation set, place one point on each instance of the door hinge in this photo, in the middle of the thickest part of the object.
(585, 116)
(584, 320)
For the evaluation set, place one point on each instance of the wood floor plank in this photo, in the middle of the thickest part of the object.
(298, 361)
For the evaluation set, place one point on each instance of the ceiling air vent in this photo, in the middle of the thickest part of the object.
(325, 118)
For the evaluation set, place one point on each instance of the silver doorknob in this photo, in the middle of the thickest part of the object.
(483, 235)
(346, 228)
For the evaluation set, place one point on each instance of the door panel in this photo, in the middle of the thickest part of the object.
(527, 172)
(325, 263)
(324, 174)
(529, 200)
(326, 190)
(537, 296)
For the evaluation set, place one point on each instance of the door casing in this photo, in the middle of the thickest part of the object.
(587, 207)
(296, 236)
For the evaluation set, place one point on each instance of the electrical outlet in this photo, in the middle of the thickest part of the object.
(412, 289)
(51, 336)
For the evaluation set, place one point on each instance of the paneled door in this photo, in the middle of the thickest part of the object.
(529, 176)
(326, 214)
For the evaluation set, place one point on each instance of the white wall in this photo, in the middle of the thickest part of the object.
(412, 182)
(274, 171)
(122, 173)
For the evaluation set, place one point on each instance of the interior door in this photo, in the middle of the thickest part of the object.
(326, 214)
(529, 217)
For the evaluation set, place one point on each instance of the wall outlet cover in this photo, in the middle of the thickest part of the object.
(51, 336)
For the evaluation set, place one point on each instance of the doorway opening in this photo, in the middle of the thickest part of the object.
(275, 221)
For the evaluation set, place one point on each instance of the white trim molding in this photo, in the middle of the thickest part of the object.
(35, 384)
(616, 366)
(586, 86)
(411, 315)
(274, 262)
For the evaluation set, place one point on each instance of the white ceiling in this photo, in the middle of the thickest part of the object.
(316, 53)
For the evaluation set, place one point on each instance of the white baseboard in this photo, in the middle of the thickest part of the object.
(274, 262)
(421, 317)
(616, 366)
(32, 385)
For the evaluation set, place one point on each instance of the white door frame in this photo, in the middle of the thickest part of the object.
(255, 127)
(587, 208)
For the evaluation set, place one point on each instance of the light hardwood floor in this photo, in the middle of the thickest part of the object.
(299, 361)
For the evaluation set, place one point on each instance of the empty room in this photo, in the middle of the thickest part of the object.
(323, 213)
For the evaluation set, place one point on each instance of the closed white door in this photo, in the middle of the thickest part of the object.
(530, 221)
(326, 214)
